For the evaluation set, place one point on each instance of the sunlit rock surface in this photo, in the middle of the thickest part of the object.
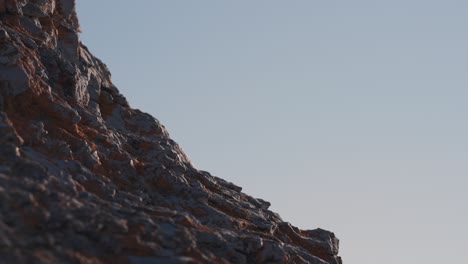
(84, 178)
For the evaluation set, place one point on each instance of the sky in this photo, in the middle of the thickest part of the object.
(351, 116)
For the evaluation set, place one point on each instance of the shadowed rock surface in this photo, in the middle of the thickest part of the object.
(84, 178)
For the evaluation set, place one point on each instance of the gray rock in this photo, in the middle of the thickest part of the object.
(38, 8)
(31, 24)
(13, 80)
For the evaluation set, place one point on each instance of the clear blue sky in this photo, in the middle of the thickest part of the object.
(346, 115)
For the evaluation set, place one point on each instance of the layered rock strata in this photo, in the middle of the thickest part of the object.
(84, 178)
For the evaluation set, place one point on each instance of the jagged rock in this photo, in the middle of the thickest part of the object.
(84, 178)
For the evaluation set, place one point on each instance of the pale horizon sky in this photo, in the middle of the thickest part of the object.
(346, 115)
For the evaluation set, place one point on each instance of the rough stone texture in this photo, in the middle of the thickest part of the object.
(84, 178)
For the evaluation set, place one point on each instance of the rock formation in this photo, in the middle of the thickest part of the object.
(84, 178)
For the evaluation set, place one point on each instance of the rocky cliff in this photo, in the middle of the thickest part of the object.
(84, 178)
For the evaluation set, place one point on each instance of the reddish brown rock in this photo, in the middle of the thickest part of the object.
(84, 178)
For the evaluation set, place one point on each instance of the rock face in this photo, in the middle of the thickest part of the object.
(84, 178)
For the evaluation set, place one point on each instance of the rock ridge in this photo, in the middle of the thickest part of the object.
(85, 178)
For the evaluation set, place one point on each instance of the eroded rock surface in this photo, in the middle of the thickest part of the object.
(84, 178)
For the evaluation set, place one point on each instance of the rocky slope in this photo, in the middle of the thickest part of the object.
(84, 178)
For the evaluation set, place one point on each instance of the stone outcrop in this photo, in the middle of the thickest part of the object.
(84, 178)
